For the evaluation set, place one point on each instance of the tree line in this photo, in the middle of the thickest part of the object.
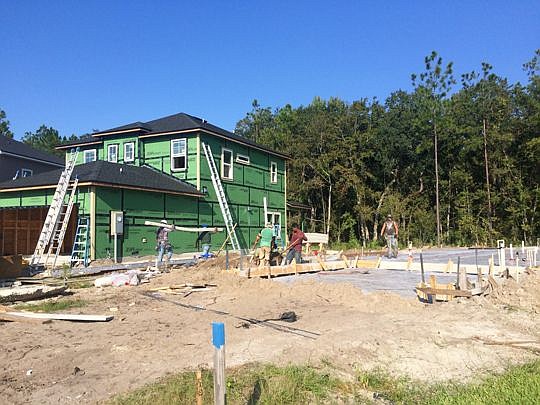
(454, 160)
(44, 138)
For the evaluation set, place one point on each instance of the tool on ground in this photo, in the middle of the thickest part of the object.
(289, 316)
(222, 199)
(58, 212)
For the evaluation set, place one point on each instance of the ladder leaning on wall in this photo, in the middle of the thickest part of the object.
(79, 254)
(53, 218)
(222, 199)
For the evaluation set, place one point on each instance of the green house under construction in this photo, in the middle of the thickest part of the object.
(151, 171)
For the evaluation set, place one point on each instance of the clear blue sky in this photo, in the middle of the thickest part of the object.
(83, 65)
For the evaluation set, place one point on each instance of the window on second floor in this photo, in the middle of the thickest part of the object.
(178, 154)
(26, 172)
(112, 153)
(89, 155)
(129, 152)
(273, 172)
(227, 164)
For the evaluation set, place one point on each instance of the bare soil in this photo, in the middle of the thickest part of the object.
(90, 362)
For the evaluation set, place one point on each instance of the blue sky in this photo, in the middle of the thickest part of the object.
(84, 65)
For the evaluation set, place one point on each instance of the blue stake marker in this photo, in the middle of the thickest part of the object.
(218, 334)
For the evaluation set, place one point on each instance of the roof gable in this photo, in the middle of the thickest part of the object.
(106, 173)
(173, 123)
(21, 149)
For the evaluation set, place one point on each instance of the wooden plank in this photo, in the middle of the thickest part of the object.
(441, 291)
(62, 317)
(14, 318)
(347, 263)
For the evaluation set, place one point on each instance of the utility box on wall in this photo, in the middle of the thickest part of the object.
(117, 223)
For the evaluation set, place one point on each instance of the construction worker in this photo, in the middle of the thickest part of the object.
(390, 232)
(163, 244)
(264, 237)
(205, 238)
(295, 245)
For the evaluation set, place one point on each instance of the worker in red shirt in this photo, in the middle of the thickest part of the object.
(295, 245)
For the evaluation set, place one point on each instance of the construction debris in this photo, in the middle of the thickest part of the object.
(23, 316)
(29, 293)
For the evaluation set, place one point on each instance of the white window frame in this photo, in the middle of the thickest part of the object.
(132, 158)
(177, 155)
(88, 152)
(273, 173)
(26, 172)
(230, 163)
(242, 159)
(109, 148)
(275, 219)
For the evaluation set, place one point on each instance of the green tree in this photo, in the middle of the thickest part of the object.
(4, 125)
(46, 139)
(432, 88)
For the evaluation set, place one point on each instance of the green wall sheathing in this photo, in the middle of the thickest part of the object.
(42, 197)
(157, 153)
(121, 141)
(245, 192)
(138, 207)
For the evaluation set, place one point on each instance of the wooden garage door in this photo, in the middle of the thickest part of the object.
(20, 229)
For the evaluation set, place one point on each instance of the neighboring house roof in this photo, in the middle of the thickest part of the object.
(21, 150)
(102, 173)
(173, 123)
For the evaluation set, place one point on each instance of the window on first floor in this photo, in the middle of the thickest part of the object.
(273, 172)
(129, 152)
(178, 154)
(89, 155)
(112, 153)
(26, 172)
(275, 219)
(227, 164)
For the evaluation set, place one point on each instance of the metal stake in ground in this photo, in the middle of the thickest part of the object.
(218, 340)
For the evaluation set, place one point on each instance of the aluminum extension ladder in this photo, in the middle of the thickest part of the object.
(222, 199)
(59, 232)
(53, 215)
(79, 254)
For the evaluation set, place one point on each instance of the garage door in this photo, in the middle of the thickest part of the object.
(20, 229)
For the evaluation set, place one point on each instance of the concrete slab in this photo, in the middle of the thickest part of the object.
(401, 282)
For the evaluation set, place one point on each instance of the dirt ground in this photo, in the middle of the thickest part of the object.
(148, 338)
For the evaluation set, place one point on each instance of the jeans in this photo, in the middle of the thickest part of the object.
(391, 243)
(293, 254)
(162, 249)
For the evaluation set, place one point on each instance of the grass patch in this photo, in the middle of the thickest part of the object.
(268, 384)
(52, 306)
(252, 384)
(518, 385)
(79, 284)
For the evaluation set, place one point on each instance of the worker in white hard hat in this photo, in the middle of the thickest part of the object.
(390, 231)
(163, 244)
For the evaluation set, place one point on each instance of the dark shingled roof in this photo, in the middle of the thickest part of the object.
(178, 122)
(133, 125)
(113, 174)
(18, 148)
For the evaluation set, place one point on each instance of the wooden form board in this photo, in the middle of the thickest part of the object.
(316, 238)
(308, 268)
(438, 267)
